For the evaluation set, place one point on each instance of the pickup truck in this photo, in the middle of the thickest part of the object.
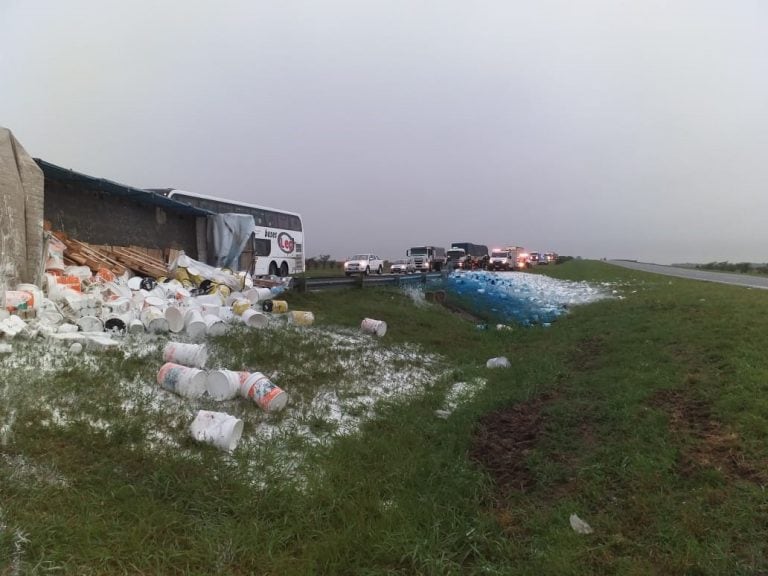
(363, 264)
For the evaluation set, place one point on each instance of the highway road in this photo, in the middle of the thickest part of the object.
(745, 280)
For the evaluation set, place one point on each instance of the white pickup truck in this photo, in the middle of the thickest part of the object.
(363, 264)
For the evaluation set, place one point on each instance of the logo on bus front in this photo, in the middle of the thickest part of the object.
(286, 242)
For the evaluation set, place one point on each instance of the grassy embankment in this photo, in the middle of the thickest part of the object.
(646, 416)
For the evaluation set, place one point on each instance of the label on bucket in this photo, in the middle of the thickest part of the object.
(169, 375)
(263, 392)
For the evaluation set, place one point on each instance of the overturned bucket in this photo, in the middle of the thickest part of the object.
(276, 306)
(371, 326)
(154, 320)
(223, 384)
(301, 318)
(254, 319)
(182, 380)
(217, 428)
(257, 387)
(194, 355)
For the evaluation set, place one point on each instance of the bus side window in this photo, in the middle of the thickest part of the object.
(284, 221)
(295, 223)
(258, 217)
(262, 247)
(270, 219)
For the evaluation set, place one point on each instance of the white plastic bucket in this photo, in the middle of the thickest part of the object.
(90, 324)
(182, 380)
(214, 325)
(194, 355)
(226, 314)
(301, 318)
(254, 319)
(498, 362)
(154, 320)
(37, 294)
(136, 326)
(223, 384)
(154, 301)
(175, 317)
(257, 387)
(376, 327)
(194, 323)
(134, 282)
(258, 294)
(217, 428)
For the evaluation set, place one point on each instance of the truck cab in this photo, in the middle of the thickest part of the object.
(428, 258)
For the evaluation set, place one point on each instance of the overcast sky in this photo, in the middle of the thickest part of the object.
(618, 129)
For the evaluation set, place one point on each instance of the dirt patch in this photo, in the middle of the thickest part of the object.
(503, 439)
(586, 356)
(705, 442)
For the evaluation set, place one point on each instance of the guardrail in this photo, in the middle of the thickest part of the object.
(314, 284)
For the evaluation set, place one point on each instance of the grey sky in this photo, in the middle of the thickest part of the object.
(592, 128)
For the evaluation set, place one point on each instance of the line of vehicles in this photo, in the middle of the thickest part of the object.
(460, 256)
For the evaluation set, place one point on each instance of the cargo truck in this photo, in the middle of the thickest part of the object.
(428, 258)
(467, 256)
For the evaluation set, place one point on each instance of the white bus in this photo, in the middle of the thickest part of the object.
(276, 246)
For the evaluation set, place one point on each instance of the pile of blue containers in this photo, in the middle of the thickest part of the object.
(504, 297)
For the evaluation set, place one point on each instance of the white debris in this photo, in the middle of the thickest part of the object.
(579, 526)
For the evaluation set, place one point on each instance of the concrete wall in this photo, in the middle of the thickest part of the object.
(100, 218)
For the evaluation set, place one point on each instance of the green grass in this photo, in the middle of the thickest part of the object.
(655, 434)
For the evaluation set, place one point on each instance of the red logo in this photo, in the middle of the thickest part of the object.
(285, 242)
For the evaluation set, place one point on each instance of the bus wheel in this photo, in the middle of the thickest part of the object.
(284, 269)
(272, 269)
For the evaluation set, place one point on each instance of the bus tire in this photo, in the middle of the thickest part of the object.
(284, 269)
(379, 271)
(272, 269)
(367, 270)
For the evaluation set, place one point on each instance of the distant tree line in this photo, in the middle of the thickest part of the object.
(741, 267)
(322, 261)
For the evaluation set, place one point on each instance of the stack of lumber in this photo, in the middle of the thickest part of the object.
(117, 259)
(139, 261)
(82, 254)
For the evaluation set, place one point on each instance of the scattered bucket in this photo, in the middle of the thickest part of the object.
(214, 325)
(258, 294)
(217, 428)
(154, 320)
(257, 387)
(276, 306)
(499, 362)
(376, 327)
(182, 380)
(116, 323)
(175, 317)
(223, 384)
(240, 306)
(90, 324)
(301, 318)
(254, 319)
(194, 323)
(187, 354)
(136, 326)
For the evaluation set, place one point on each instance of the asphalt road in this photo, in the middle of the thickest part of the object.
(745, 280)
